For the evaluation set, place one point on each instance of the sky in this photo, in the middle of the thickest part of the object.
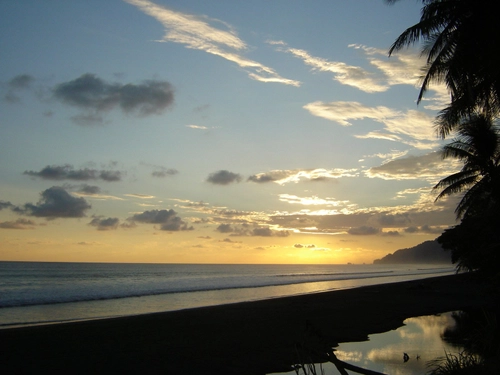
(219, 131)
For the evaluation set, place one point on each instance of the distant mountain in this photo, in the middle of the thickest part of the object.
(426, 252)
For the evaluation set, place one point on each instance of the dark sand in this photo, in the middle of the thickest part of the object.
(243, 338)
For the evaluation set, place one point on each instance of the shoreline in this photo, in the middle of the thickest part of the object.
(256, 337)
(97, 308)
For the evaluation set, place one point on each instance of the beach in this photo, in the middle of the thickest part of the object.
(257, 337)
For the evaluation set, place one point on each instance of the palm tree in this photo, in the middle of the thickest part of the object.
(461, 40)
(477, 145)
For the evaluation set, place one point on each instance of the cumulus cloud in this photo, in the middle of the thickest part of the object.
(104, 224)
(56, 202)
(167, 219)
(92, 93)
(67, 172)
(18, 224)
(203, 34)
(282, 177)
(223, 177)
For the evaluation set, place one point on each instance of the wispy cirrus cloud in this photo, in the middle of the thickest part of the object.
(341, 112)
(405, 68)
(202, 33)
(343, 73)
(282, 177)
(310, 201)
(412, 127)
(430, 167)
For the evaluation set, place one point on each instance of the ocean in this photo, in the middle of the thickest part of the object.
(43, 292)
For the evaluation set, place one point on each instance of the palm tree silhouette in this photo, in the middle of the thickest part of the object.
(460, 39)
(477, 145)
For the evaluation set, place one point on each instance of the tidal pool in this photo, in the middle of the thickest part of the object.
(420, 338)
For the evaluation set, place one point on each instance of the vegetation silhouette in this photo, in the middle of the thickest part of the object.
(477, 145)
(460, 40)
(312, 347)
(476, 333)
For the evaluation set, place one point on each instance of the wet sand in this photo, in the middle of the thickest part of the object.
(244, 338)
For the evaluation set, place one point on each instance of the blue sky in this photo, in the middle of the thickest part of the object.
(215, 132)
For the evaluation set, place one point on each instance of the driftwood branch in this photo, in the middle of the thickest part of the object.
(343, 366)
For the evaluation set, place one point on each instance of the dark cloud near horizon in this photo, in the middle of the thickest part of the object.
(167, 219)
(424, 229)
(55, 202)
(18, 224)
(19, 82)
(88, 119)
(4, 205)
(363, 231)
(300, 246)
(93, 93)
(271, 176)
(89, 189)
(103, 224)
(67, 172)
(223, 177)
(268, 232)
(164, 172)
(390, 220)
(224, 228)
(245, 230)
(263, 178)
